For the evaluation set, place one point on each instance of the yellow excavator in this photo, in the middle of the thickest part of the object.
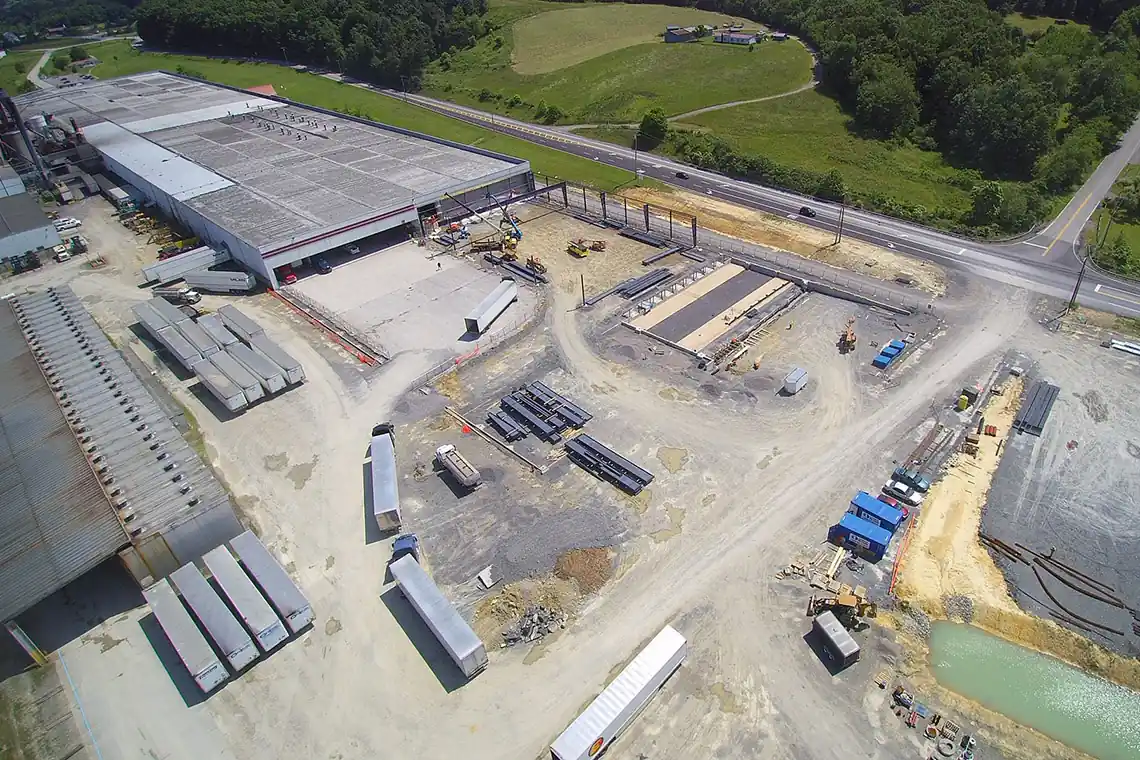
(849, 606)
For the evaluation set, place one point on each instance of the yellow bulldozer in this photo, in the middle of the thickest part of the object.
(849, 606)
(578, 249)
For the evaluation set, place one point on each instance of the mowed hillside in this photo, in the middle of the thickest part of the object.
(608, 64)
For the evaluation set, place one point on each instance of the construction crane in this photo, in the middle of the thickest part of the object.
(507, 218)
(472, 211)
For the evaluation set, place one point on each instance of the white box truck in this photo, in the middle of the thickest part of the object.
(614, 709)
(385, 485)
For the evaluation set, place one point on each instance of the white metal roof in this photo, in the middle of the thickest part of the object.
(576, 740)
(166, 170)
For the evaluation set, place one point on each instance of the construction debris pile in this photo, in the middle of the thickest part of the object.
(536, 621)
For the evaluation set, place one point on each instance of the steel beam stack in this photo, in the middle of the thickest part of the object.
(1037, 407)
(605, 463)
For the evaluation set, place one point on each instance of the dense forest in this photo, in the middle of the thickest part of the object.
(1098, 13)
(383, 41)
(32, 16)
(953, 76)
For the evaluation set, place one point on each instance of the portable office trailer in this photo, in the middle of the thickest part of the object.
(168, 311)
(275, 583)
(221, 386)
(217, 330)
(452, 630)
(198, 338)
(179, 347)
(270, 376)
(239, 375)
(867, 507)
(795, 381)
(492, 306)
(232, 640)
(385, 487)
(188, 642)
(292, 368)
(623, 700)
(860, 536)
(220, 282)
(837, 642)
(259, 617)
(244, 327)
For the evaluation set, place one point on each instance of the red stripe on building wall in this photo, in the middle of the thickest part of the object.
(331, 233)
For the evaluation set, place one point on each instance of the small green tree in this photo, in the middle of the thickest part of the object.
(77, 53)
(497, 42)
(653, 128)
(540, 110)
(553, 114)
(485, 94)
(988, 199)
(445, 60)
(514, 101)
(20, 67)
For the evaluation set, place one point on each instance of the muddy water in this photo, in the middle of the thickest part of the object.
(1088, 713)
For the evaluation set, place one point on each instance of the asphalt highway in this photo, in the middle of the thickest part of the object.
(1045, 262)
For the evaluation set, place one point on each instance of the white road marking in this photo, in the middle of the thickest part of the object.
(903, 235)
(792, 216)
(890, 245)
(960, 251)
(1096, 289)
(1037, 245)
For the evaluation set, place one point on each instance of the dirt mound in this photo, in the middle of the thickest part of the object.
(591, 568)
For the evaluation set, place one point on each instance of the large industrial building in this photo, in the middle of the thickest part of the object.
(270, 181)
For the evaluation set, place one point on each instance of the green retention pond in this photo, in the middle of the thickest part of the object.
(1089, 713)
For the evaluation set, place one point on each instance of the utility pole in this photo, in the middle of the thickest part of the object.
(1099, 239)
(842, 212)
(583, 290)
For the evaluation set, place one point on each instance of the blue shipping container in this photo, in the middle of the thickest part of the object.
(882, 361)
(860, 536)
(896, 343)
(891, 351)
(876, 512)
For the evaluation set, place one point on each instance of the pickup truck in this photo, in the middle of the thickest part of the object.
(912, 478)
(903, 493)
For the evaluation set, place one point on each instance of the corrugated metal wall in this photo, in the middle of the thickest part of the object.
(55, 523)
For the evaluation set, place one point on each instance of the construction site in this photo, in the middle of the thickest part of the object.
(557, 446)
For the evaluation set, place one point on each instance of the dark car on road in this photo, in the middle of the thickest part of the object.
(807, 211)
(322, 265)
(682, 175)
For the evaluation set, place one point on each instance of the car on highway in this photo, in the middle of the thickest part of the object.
(321, 264)
(286, 274)
(682, 175)
(353, 249)
(807, 211)
(902, 492)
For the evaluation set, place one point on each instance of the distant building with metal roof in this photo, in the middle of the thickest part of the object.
(90, 465)
(24, 226)
(269, 180)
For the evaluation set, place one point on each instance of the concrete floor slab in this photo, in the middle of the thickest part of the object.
(409, 302)
(687, 296)
(724, 322)
(709, 305)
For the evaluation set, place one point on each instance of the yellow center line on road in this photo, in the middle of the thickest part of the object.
(1062, 232)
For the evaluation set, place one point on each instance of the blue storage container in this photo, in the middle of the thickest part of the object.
(891, 351)
(882, 361)
(867, 540)
(876, 512)
(896, 343)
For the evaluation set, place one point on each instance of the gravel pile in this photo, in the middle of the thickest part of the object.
(958, 607)
(534, 551)
(915, 622)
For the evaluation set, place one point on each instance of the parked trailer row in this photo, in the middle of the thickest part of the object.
(217, 383)
(232, 639)
(614, 709)
(188, 642)
(259, 618)
(452, 631)
(385, 486)
(264, 345)
(275, 583)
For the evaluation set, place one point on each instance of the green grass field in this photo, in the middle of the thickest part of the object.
(621, 86)
(11, 79)
(607, 63)
(809, 130)
(119, 59)
(557, 39)
(1130, 228)
(1029, 25)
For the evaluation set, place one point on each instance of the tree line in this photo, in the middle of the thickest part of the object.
(34, 16)
(386, 42)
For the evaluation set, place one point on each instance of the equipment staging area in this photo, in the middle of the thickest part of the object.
(271, 181)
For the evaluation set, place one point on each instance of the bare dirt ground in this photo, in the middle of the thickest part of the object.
(784, 234)
(742, 476)
(943, 556)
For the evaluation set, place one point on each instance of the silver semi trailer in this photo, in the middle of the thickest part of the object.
(232, 640)
(188, 642)
(449, 628)
(259, 617)
(385, 486)
(275, 583)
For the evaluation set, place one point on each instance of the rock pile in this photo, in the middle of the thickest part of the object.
(536, 621)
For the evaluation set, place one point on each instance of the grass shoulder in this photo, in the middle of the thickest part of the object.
(1036, 25)
(119, 60)
(1117, 221)
(14, 69)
